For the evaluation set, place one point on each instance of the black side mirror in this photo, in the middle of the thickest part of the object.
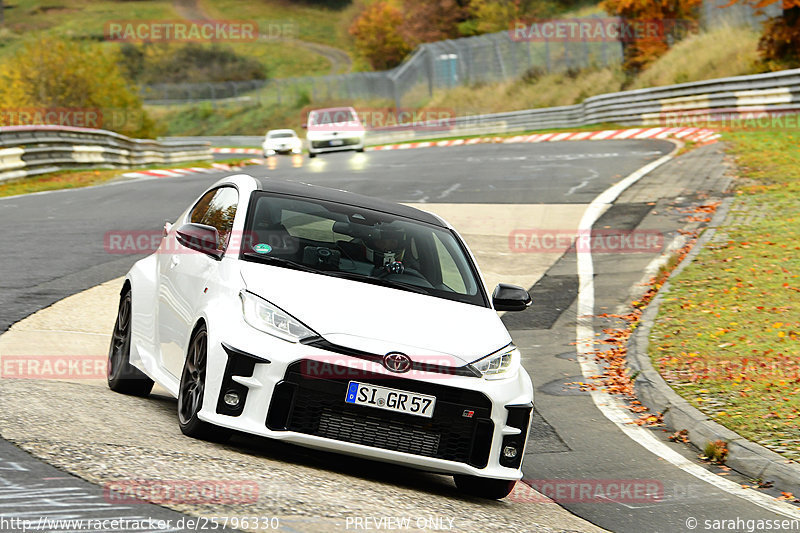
(200, 237)
(510, 298)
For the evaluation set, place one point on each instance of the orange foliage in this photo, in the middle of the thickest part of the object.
(779, 45)
(377, 34)
(677, 17)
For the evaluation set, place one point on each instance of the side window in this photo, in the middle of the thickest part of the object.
(451, 276)
(201, 208)
(217, 208)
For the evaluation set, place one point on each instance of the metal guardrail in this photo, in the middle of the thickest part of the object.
(679, 105)
(441, 65)
(32, 150)
(684, 104)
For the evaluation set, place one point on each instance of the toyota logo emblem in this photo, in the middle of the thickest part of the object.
(397, 362)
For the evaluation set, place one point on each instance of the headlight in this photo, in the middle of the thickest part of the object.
(499, 365)
(271, 319)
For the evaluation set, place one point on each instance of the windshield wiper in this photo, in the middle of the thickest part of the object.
(279, 261)
(376, 281)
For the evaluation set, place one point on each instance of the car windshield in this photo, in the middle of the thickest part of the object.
(359, 244)
(332, 116)
(281, 135)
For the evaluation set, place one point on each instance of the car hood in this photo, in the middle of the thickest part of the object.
(379, 319)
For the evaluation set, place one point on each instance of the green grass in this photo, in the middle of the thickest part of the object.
(71, 179)
(86, 19)
(718, 53)
(310, 22)
(727, 336)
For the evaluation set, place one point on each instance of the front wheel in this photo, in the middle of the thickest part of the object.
(191, 390)
(311, 155)
(122, 376)
(492, 489)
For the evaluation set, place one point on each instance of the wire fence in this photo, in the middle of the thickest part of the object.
(440, 65)
(719, 12)
(444, 64)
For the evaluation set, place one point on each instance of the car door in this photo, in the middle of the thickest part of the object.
(184, 275)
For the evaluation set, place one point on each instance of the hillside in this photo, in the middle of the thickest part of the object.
(301, 38)
(719, 53)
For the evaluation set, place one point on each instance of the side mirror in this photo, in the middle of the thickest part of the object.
(510, 298)
(201, 238)
(304, 126)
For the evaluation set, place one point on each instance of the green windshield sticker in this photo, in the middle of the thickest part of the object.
(262, 248)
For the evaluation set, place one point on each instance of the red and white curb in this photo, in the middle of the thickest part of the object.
(175, 172)
(699, 135)
(236, 151)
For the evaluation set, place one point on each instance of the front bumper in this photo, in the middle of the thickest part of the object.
(282, 399)
(270, 149)
(335, 144)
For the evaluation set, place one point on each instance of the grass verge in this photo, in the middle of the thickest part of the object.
(727, 337)
(72, 179)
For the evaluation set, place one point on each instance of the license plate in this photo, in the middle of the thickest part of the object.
(337, 142)
(399, 401)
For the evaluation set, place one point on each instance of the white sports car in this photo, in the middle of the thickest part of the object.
(281, 142)
(331, 320)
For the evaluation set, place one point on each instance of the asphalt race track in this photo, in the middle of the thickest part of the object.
(53, 247)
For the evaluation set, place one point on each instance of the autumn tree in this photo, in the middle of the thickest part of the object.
(58, 74)
(487, 16)
(779, 45)
(674, 17)
(426, 21)
(377, 35)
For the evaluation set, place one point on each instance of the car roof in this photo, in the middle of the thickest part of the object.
(287, 130)
(316, 192)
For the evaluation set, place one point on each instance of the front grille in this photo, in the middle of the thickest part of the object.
(316, 406)
(372, 432)
(329, 143)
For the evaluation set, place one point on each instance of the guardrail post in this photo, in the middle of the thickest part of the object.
(499, 58)
(548, 66)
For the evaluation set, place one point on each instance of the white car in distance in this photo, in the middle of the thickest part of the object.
(283, 141)
(334, 129)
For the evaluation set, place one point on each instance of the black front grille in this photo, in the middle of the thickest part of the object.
(331, 144)
(316, 406)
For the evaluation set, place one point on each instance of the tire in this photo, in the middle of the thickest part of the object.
(122, 376)
(311, 155)
(492, 489)
(360, 150)
(191, 390)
